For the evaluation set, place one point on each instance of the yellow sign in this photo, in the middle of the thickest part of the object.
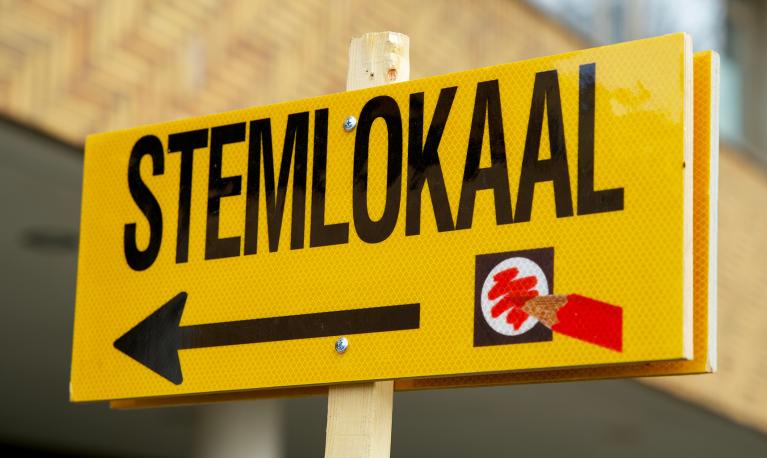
(524, 217)
(705, 173)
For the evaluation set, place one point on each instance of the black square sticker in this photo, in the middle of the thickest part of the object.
(503, 282)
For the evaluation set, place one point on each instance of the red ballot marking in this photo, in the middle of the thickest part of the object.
(514, 293)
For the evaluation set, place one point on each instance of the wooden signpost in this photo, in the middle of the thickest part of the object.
(545, 220)
(360, 415)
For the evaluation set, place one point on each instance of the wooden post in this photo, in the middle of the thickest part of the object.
(359, 415)
(359, 420)
(378, 58)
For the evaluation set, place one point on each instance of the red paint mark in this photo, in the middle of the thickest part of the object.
(592, 321)
(514, 292)
(516, 317)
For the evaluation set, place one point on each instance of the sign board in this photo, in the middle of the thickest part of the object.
(534, 216)
(705, 196)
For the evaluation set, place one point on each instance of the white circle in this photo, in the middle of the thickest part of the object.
(526, 268)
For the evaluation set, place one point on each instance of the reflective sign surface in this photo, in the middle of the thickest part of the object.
(705, 197)
(528, 216)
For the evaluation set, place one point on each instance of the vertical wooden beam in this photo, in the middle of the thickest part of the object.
(378, 58)
(359, 420)
(360, 415)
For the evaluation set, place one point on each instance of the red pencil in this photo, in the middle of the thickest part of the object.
(580, 317)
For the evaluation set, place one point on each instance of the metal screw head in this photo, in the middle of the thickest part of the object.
(350, 123)
(342, 344)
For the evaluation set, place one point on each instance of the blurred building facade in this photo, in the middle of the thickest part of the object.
(69, 68)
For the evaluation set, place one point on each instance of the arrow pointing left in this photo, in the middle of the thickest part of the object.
(157, 339)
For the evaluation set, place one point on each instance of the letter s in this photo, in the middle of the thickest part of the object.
(146, 202)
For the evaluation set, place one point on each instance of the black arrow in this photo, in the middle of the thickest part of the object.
(156, 340)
